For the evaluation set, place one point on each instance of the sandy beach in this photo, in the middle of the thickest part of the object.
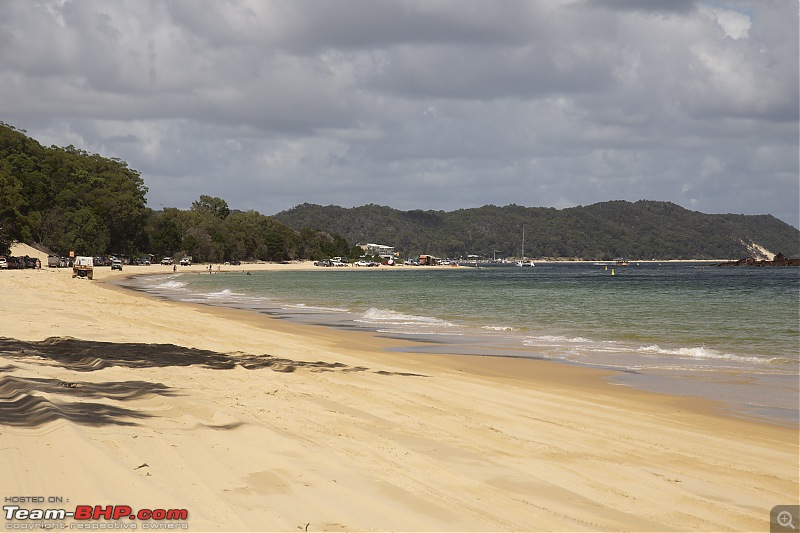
(250, 423)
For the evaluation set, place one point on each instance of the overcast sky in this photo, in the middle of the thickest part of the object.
(429, 104)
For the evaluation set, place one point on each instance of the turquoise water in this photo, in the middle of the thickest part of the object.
(730, 334)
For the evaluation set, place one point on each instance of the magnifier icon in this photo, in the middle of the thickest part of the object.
(785, 519)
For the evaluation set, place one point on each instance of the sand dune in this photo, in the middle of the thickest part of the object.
(255, 424)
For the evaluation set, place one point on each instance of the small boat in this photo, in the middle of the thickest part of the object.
(524, 262)
(622, 262)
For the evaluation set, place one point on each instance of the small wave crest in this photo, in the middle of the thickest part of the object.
(558, 339)
(386, 316)
(305, 307)
(498, 328)
(219, 295)
(172, 285)
(699, 352)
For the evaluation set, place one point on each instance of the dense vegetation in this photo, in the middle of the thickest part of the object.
(69, 200)
(603, 231)
(210, 231)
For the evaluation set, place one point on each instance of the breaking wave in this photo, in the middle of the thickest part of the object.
(699, 352)
(172, 285)
(559, 339)
(221, 295)
(387, 316)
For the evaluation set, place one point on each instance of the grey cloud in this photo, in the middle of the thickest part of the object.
(419, 104)
(470, 72)
(649, 6)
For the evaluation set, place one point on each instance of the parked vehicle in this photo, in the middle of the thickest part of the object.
(116, 264)
(83, 267)
(186, 261)
(166, 261)
(3, 262)
(13, 262)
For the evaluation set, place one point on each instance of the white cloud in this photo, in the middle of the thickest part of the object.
(735, 25)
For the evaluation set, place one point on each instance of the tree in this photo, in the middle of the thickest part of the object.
(212, 205)
(13, 224)
(98, 198)
(164, 231)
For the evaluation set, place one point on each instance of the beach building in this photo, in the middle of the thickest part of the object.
(380, 250)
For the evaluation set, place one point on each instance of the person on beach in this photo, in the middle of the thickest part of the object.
(174, 268)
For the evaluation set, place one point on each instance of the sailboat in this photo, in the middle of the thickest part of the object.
(523, 262)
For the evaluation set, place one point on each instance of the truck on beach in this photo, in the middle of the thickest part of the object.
(83, 267)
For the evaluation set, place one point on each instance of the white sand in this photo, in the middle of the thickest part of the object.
(326, 431)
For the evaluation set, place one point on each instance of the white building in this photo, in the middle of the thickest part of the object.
(378, 249)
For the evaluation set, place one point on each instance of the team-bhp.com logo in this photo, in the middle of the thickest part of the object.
(163, 518)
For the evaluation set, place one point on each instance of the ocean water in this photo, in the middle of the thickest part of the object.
(727, 334)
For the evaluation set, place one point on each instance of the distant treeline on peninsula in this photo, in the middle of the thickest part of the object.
(603, 231)
(65, 199)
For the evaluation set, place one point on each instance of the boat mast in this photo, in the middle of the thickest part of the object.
(523, 241)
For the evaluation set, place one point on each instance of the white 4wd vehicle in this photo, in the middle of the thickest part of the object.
(83, 267)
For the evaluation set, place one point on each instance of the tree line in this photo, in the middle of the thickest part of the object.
(603, 231)
(67, 199)
(211, 232)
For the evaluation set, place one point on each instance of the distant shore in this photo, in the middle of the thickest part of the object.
(23, 249)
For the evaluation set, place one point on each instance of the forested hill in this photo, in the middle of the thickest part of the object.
(603, 231)
(66, 199)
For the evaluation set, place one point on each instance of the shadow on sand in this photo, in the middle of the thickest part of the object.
(20, 406)
(87, 356)
(24, 401)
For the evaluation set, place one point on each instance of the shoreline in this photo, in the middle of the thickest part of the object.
(717, 387)
(262, 423)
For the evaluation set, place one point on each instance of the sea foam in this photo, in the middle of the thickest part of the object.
(558, 339)
(387, 316)
(172, 285)
(699, 352)
(220, 295)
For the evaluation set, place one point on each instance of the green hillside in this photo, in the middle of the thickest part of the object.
(66, 199)
(603, 231)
